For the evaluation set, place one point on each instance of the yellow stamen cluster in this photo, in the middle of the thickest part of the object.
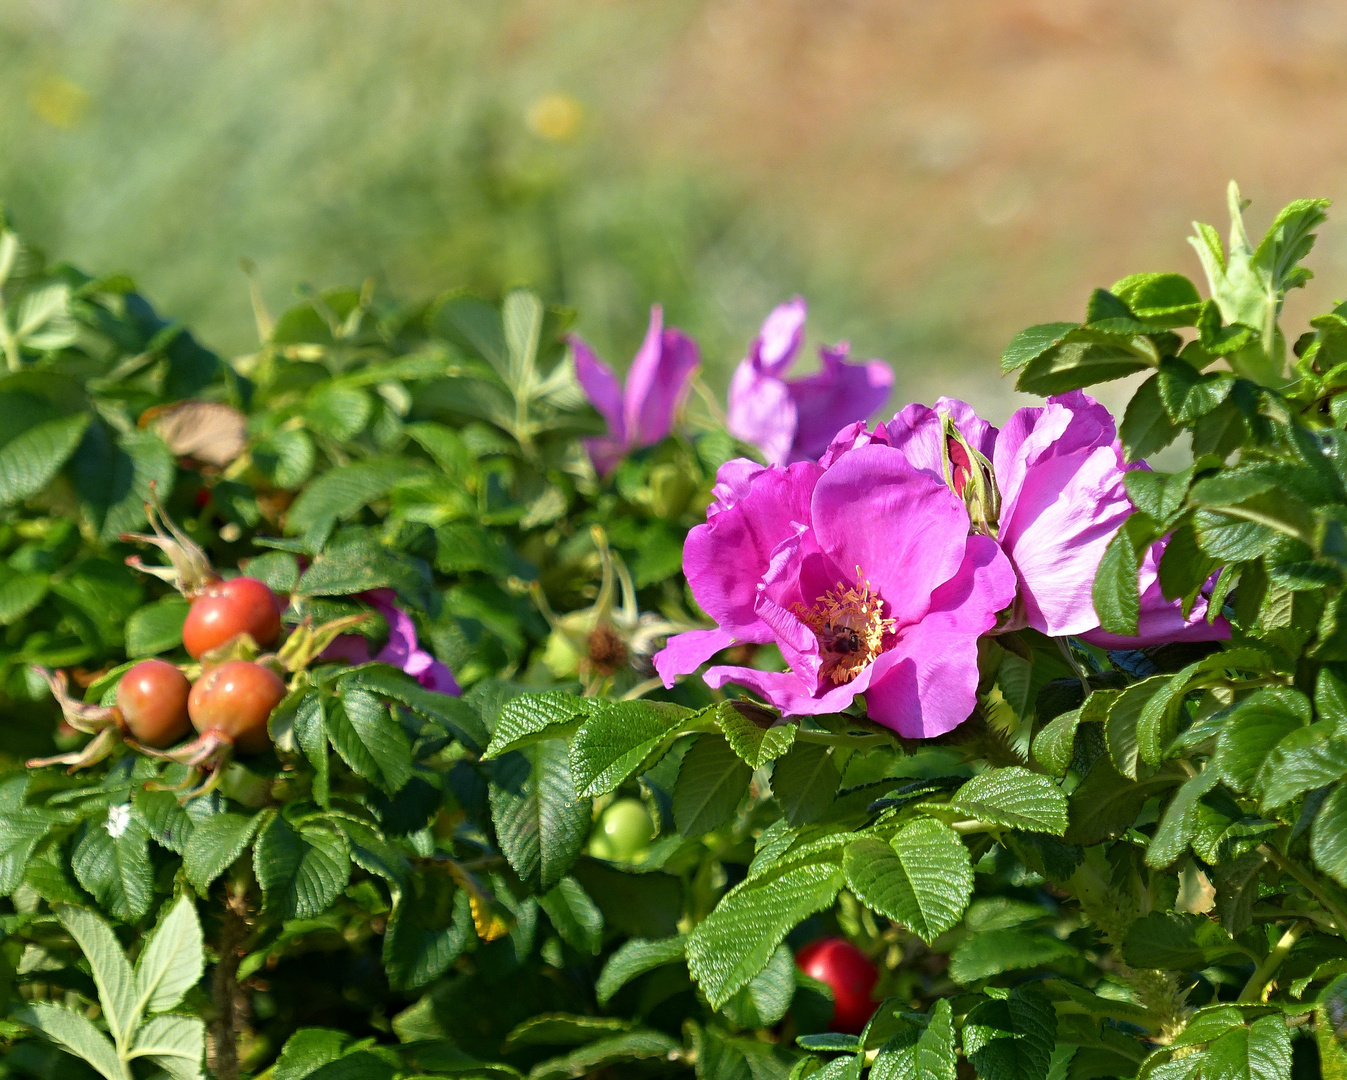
(850, 626)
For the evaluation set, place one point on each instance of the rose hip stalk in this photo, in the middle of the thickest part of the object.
(151, 711)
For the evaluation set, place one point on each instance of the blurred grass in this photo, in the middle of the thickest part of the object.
(431, 144)
(933, 177)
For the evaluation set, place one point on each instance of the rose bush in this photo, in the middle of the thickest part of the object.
(552, 725)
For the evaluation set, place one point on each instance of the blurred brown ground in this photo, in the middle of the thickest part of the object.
(985, 163)
(949, 172)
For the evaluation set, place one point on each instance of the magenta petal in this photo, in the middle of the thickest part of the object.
(658, 381)
(901, 529)
(733, 479)
(726, 559)
(850, 438)
(351, 648)
(918, 432)
(433, 675)
(687, 652)
(606, 454)
(1055, 533)
(1161, 621)
(926, 684)
(762, 413)
(787, 691)
(600, 386)
(838, 395)
(780, 337)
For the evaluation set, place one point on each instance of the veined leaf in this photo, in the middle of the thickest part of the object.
(1012, 1039)
(112, 972)
(635, 957)
(214, 844)
(30, 460)
(920, 1053)
(303, 869)
(540, 821)
(1011, 796)
(530, 717)
(172, 961)
(922, 878)
(175, 1043)
(732, 944)
(73, 1032)
(617, 739)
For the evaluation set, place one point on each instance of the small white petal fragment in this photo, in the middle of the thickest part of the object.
(119, 817)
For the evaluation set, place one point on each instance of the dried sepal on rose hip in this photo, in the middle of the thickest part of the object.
(150, 712)
(229, 705)
(222, 610)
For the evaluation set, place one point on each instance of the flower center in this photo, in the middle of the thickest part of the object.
(850, 626)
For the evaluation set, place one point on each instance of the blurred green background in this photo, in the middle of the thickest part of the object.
(931, 176)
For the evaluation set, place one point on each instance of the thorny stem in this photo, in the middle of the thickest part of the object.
(224, 987)
(1262, 976)
(1311, 886)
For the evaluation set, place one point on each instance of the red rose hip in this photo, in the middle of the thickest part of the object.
(225, 609)
(152, 698)
(850, 975)
(234, 701)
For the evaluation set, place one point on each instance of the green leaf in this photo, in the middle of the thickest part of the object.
(574, 916)
(1161, 299)
(735, 942)
(156, 628)
(1328, 837)
(114, 480)
(429, 928)
(1177, 827)
(927, 1053)
(175, 1043)
(214, 845)
(303, 869)
(1261, 1051)
(30, 460)
(1081, 359)
(1032, 343)
(1146, 427)
(1187, 394)
(540, 821)
(1054, 746)
(756, 744)
(922, 878)
(1177, 941)
(20, 593)
(592, 1059)
(338, 412)
(522, 321)
(1011, 796)
(1012, 1039)
(767, 997)
(112, 972)
(563, 1029)
(342, 493)
(1117, 590)
(531, 717)
(369, 739)
(1307, 758)
(804, 782)
(172, 961)
(73, 1032)
(1251, 730)
(116, 870)
(1013, 948)
(711, 782)
(285, 457)
(635, 957)
(20, 832)
(1105, 804)
(620, 738)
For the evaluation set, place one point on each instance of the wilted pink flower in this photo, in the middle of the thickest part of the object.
(401, 650)
(642, 413)
(795, 421)
(864, 574)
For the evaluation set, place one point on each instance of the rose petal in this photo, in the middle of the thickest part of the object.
(780, 337)
(927, 683)
(904, 530)
(658, 381)
(687, 652)
(600, 386)
(762, 413)
(838, 395)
